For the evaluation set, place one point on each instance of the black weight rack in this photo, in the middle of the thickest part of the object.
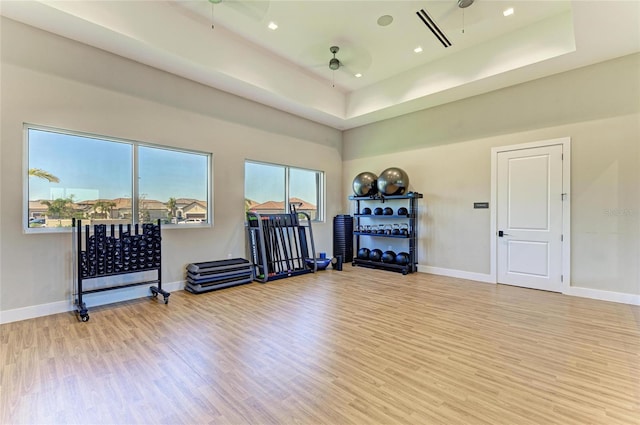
(102, 251)
(280, 245)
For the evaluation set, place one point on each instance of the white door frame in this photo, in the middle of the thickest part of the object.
(566, 205)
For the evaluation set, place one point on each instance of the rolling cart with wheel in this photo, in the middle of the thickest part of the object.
(102, 252)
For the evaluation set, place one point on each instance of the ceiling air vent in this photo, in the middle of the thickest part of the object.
(424, 17)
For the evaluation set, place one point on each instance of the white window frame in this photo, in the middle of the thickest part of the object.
(320, 188)
(134, 183)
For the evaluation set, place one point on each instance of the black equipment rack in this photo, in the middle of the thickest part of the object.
(98, 253)
(411, 236)
(280, 245)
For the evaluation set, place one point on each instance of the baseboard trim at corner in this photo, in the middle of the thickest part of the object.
(91, 300)
(460, 274)
(599, 294)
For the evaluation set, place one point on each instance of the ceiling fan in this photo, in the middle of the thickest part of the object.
(334, 63)
(255, 10)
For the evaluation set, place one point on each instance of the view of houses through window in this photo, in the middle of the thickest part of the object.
(92, 178)
(272, 189)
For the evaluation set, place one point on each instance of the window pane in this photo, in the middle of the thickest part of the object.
(173, 186)
(303, 191)
(264, 187)
(77, 176)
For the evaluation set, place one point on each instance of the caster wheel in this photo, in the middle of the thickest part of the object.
(404, 272)
(166, 300)
(154, 294)
(84, 318)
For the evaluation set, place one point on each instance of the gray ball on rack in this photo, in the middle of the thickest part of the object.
(393, 181)
(365, 184)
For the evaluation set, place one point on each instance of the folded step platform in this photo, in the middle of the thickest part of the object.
(211, 275)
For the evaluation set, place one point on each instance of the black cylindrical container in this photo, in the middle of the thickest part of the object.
(343, 237)
(337, 263)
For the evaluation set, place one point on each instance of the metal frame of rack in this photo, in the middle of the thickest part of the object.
(412, 236)
(280, 245)
(101, 253)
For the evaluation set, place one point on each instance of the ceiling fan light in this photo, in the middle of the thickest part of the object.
(464, 3)
(334, 64)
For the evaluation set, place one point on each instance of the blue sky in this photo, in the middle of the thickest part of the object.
(264, 182)
(90, 169)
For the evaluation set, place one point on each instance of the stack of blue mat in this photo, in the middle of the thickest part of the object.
(210, 275)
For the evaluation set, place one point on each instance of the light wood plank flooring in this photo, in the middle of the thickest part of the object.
(353, 347)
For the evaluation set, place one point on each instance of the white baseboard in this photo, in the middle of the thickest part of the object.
(91, 300)
(599, 294)
(576, 291)
(461, 274)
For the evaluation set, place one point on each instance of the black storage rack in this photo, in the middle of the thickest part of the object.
(281, 245)
(411, 236)
(98, 253)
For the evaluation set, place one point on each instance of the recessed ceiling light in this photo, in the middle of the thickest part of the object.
(508, 12)
(273, 26)
(358, 75)
(418, 49)
(385, 20)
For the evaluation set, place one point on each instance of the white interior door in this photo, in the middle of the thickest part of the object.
(529, 218)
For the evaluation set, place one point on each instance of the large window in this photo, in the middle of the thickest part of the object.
(103, 180)
(271, 188)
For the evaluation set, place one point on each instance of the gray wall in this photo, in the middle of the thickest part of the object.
(49, 80)
(446, 152)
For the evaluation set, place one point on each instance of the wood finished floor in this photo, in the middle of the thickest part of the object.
(353, 347)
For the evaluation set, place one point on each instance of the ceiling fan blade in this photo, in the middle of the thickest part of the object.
(254, 9)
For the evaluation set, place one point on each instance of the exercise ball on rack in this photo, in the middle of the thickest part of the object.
(403, 211)
(365, 184)
(402, 258)
(387, 211)
(363, 253)
(375, 255)
(366, 211)
(388, 257)
(393, 181)
(377, 211)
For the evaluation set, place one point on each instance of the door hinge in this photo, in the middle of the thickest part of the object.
(561, 238)
(562, 157)
(563, 196)
(561, 278)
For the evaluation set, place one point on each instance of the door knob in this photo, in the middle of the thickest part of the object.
(501, 233)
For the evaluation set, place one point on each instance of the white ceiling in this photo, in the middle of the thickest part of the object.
(227, 45)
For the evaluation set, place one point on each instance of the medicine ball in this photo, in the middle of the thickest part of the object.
(375, 255)
(388, 257)
(363, 253)
(366, 211)
(403, 211)
(393, 181)
(377, 211)
(388, 211)
(402, 258)
(365, 184)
